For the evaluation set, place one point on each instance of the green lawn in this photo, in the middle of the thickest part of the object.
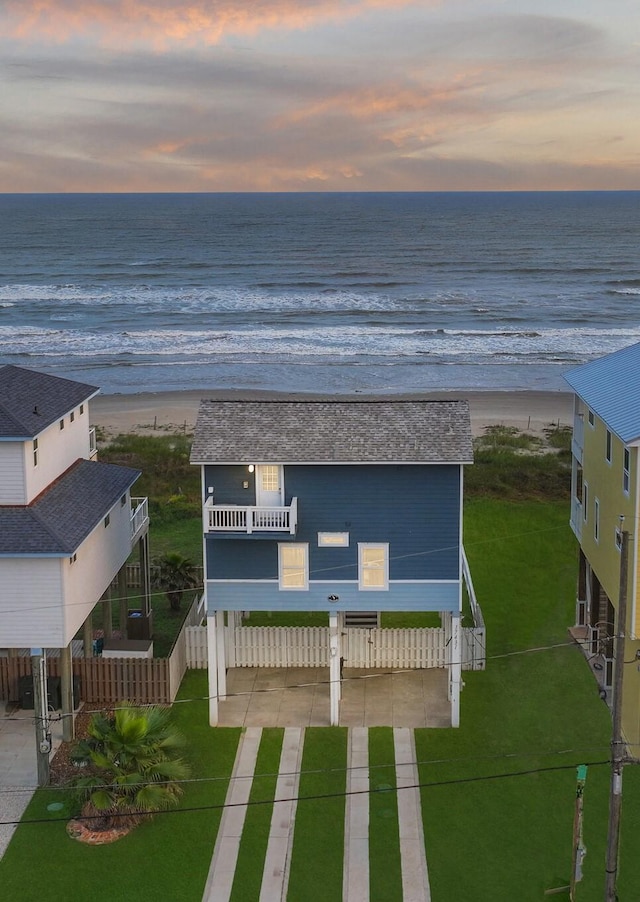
(491, 835)
(167, 858)
(385, 876)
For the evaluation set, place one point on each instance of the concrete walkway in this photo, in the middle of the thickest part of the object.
(356, 880)
(225, 855)
(18, 766)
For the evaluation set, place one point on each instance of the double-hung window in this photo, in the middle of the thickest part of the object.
(608, 449)
(373, 566)
(293, 566)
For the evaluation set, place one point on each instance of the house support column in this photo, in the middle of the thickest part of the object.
(145, 576)
(334, 668)
(107, 615)
(455, 668)
(212, 662)
(66, 691)
(124, 601)
(87, 636)
(221, 657)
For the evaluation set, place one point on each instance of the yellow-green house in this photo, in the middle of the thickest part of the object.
(605, 503)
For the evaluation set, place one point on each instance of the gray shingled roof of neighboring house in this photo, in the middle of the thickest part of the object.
(373, 431)
(62, 517)
(31, 401)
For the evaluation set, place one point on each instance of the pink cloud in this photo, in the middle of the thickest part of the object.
(161, 22)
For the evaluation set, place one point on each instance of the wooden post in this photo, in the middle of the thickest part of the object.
(87, 636)
(66, 691)
(145, 576)
(618, 756)
(107, 615)
(124, 601)
(43, 736)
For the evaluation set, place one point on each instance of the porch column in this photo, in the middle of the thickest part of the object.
(334, 668)
(87, 636)
(455, 667)
(66, 691)
(222, 658)
(124, 601)
(212, 661)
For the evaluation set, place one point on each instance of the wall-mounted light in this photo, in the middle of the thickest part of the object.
(333, 598)
(251, 468)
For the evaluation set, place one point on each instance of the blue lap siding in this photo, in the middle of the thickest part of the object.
(413, 508)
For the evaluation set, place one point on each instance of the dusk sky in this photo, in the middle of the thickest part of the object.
(319, 95)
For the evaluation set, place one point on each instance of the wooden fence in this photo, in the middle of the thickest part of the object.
(273, 646)
(105, 681)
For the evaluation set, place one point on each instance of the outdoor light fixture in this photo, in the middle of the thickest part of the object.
(251, 468)
(333, 598)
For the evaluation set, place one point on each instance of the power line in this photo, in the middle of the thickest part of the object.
(319, 797)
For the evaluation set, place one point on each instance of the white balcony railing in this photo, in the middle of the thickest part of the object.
(577, 441)
(249, 519)
(139, 515)
(93, 444)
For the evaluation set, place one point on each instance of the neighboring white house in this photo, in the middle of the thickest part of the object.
(68, 523)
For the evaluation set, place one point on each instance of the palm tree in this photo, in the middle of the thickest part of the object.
(133, 765)
(174, 574)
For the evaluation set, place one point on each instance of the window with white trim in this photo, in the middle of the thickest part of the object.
(626, 466)
(585, 501)
(591, 418)
(373, 566)
(293, 566)
(596, 520)
(609, 443)
(35, 452)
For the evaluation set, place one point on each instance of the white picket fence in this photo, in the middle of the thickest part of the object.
(290, 646)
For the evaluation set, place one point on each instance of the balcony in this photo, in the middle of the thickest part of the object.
(237, 518)
(139, 517)
(576, 518)
(93, 444)
(577, 441)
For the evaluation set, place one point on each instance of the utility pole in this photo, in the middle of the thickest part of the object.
(617, 746)
(41, 712)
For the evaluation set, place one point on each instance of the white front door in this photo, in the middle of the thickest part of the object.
(269, 485)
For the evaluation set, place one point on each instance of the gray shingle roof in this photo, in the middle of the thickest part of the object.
(62, 517)
(610, 386)
(382, 431)
(31, 401)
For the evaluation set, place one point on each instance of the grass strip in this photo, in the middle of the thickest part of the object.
(255, 834)
(385, 874)
(318, 848)
(166, 858)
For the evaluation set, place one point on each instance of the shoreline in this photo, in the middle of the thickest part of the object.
(176, 411)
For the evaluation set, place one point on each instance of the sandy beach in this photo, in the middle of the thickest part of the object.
(166, 412)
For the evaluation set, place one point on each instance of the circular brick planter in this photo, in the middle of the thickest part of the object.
(82, 833)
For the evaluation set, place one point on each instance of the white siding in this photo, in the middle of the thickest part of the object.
(57, 450)
(12, 473)
(45, 601)
(98, 560)
(31, 603)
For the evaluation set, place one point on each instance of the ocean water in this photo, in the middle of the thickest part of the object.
(336, 293)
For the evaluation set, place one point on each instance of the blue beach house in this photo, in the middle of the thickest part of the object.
(338, 506)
